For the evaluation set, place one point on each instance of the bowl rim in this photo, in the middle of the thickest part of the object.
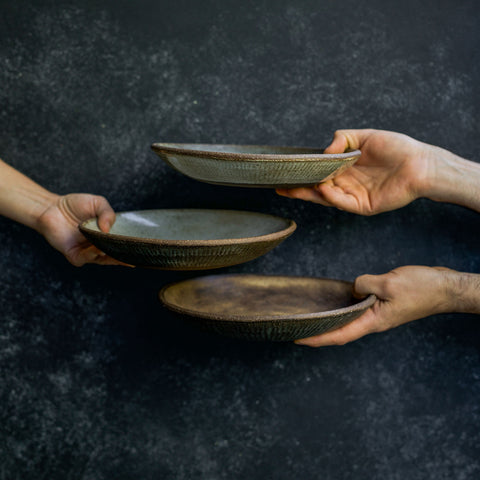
(363, 304)
(269, 237)
(314, 156)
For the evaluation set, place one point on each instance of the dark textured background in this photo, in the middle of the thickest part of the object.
(97, 380)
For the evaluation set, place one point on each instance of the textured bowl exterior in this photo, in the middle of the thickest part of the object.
(185, 257)
(275, 330)
(264, 307)
(136, 247)
(257, 170)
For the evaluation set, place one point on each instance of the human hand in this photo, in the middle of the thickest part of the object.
(389, 174)
(403, 295)
(59, 225)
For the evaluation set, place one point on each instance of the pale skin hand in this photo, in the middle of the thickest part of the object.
(392, 171)
(55, 217)
(59, 225)
(403, 295)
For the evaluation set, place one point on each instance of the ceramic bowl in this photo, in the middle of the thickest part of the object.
(260, 307)
(189, 239)
(255, 165)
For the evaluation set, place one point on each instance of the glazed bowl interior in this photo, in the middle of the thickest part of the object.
(193, 224)
(260, 297)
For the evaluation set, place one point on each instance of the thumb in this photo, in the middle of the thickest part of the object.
(339, 143)
(353, 139)
(367, 284)
(104, 212)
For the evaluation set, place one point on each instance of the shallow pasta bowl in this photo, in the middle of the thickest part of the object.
(255, 165)
(262, 307)
(189, 239)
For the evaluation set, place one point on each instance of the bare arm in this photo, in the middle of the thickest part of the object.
(403, 295)
(393, 170)
(21, 199)
(453, 179)
(56, 217)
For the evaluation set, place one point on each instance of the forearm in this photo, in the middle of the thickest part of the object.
(463, 291)
(21, 199)
(453, 179)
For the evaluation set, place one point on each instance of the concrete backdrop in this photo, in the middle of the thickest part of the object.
(97, 380)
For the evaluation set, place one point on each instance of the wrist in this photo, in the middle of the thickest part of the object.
(450, 178)
(434, 160)
(43, 202)
(461, 291)
(22, 199)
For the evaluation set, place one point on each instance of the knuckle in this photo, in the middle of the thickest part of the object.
(361, 281)
(389, 286)
(99, 199)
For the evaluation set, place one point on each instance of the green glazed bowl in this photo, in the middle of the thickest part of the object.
(255, 165)
(189, 239)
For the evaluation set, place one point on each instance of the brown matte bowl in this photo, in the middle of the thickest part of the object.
(189, 239)
(255, 165)
(260, 307)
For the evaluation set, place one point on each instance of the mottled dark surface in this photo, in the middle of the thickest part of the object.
(97, 380)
